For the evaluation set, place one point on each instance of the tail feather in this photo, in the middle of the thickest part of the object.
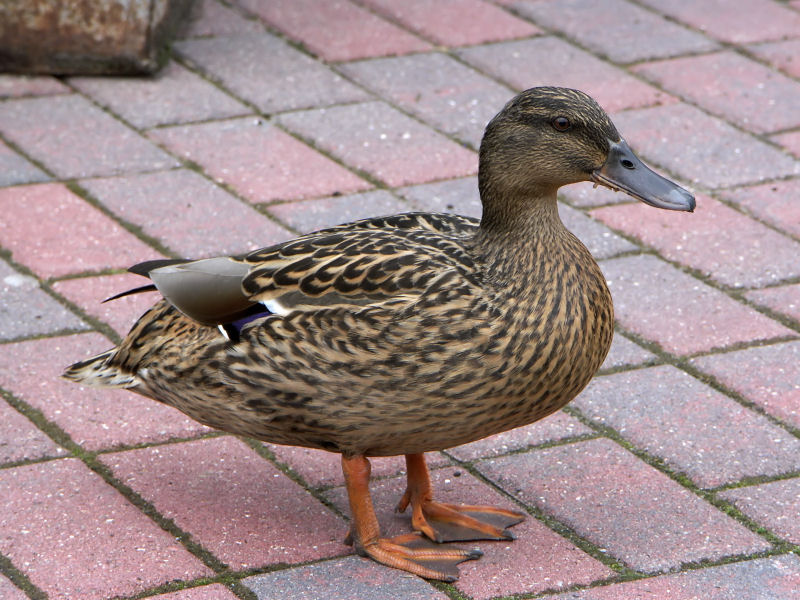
(98, 371)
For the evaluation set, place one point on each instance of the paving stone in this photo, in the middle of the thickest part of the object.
(349, 578)
(640, 35)
(17, 86)
(774, 505)
(550, 61)
(557, 426)
(781, 55)
(790, 141)
(14, 169)
(206, 592)
(88, 293)
(734, 21)
(335, 31)
(766, 375)
(71, 547)
(538, 560)
(782, 299)
(310, 215)
(625, 353)
(211, 18)
(74, 138)
(289, 80)
(437, 88)
(22, 440)
(700, 148)
(621, 504)
(585, 194)
(174, 95)
(776, 203)
(9, 591)
(681, 314)
(186, 212)
(382, 141)
(695, 429)
(459, 196)
(27, 310)
(599, 239)
(58, 233)
(760, 579)
(320, 469)
(717, 240)
(233, 502)
(455, 22)
(96, 419)
(731, 86)
(258, 160)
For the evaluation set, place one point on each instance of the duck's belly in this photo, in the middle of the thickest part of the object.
(398, 405)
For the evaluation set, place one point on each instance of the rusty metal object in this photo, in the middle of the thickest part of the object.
(87, 36)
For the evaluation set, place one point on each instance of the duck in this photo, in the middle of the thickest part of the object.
(402, 334)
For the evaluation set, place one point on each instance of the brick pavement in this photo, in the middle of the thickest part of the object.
(676, 474)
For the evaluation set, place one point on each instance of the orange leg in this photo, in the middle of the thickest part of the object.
(451, 522)
(409, 552)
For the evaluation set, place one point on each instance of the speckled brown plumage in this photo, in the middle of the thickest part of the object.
(403, 334)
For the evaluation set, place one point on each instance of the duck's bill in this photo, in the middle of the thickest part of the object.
(624, 171)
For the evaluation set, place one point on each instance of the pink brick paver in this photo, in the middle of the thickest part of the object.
(414, 83)
(18, 86)
(382, 141)
(765, 375)
(623, 512)
(717, 240)
(790, 141)
(783, 299)
(75, 536)
(349, 578)
(681, 314)
(774, 505)
(775, 203)
(666, 412)
(289, 80)
(88, 294)
(537, 560)
(638, 35)
(58, 233)
(206, 592)
(760, 579)
(74, 138)
(336, 31)
(455, 22)
(781, 55)
(210, 19)
(95, 419)
(731, 86)
(701, 148)
(175, 95)
(624, 352)
(22, 440)
(560, 63)
(9, 591)
(232, 501)
(459, 196)
(735, 21)
(187, 213)
(258, 160)
(310, 215)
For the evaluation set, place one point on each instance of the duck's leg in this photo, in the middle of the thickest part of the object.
(409, 552)
(451, 522)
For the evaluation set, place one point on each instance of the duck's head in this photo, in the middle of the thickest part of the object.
(547, 137)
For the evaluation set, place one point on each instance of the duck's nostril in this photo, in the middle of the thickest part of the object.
(627, 164)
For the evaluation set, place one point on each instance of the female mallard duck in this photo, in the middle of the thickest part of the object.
(402, 334)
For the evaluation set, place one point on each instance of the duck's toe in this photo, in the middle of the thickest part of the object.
(443, 522)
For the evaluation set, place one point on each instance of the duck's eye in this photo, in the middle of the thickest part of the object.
(561, 123)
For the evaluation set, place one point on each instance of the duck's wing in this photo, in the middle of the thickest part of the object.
(389, 260)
